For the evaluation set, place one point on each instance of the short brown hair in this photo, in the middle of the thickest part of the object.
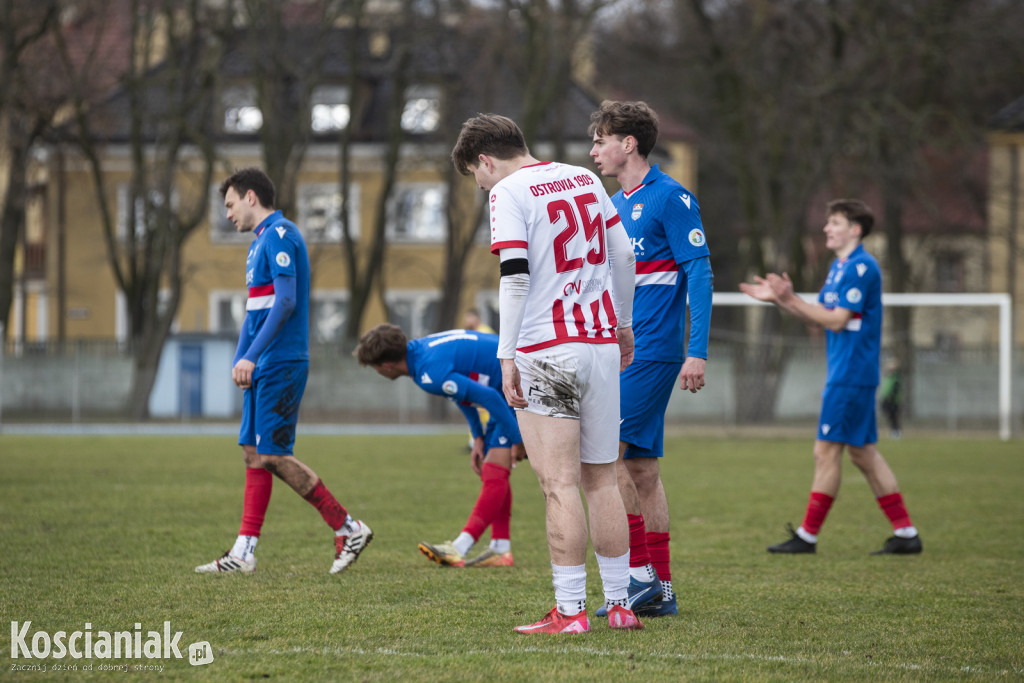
(383, 344)
(254, 179)
(855, 211)
(627, 118)
(490, 134)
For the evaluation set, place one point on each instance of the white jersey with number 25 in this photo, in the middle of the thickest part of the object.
(559, 214)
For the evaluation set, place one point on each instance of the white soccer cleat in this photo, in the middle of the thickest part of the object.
(228, 563)
(347, 548)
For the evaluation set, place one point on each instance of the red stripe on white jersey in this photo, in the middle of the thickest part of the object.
(511, 244)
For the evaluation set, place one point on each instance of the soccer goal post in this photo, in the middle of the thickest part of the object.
(1000, 301)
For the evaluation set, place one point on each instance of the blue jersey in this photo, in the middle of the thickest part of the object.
(462, 365)
(278, 250)
(854, 283)
(662, 219)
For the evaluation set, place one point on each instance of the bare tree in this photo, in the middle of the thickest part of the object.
(25, 113)
(168, 95)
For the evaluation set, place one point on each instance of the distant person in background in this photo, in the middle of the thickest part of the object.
(473, 321)
(892, 397)
(462, 366)
(271, 365)
(849, 307)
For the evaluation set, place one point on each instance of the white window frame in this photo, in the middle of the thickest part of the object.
(332, 234)
(422, 110)
(419, 301)
(123, 192)
(237, 297)
(321, 296)
(329, 110)
(418, 234)
(241, 110)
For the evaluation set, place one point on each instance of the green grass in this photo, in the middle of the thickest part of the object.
(107, 530)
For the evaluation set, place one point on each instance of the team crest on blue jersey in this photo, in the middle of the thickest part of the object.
(637, 210)
(696, 237)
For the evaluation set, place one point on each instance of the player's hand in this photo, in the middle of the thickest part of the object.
(476, 455)
(518, 453)
(625, 337)
(511, 384)
(242, 373)
(782, 286)
(691, 378)
(761, 289)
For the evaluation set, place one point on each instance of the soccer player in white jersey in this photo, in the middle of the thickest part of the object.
(565, 314)
(673, 265)
(849, 307)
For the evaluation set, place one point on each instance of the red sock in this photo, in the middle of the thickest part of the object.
(494, 494)
(818, 505)
(258, 485)
(327, 505)
(501, 525)
(657, 547)
(638, 555)
(893, 507)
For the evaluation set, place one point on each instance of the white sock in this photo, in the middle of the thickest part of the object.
(614, 577)
(463, 543)
(570, 588)
(501, 545)
(906, 532)
(807, 536)
(645, 574)
(666, 591)
(244, 547)
(350, 527)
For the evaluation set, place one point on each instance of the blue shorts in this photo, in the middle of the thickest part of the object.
(495, 436)
(270, 408)
(645, 388)
(848, 415)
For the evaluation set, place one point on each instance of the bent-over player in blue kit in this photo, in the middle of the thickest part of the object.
(849, 307)
(673, 266)
(462, 366)
(271, 365)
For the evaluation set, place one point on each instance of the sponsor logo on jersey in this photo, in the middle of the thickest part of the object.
(281, 231)
(638, 244)
(283, 259)
(450, 387)
(696, 237)
(825, 428)
(425, 379)
(503, 440)
(686, 199)
(854, 295)
(862, 268)
(637, 210)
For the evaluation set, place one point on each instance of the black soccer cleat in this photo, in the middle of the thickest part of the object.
(896, 545)
(794, 545)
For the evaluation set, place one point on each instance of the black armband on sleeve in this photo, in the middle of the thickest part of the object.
(514, 266)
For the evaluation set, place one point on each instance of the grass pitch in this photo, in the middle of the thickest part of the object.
(106, 531)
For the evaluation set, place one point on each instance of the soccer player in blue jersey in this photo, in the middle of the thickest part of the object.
(461, 365)
(271, 365)
(849, 307)
(663, 221)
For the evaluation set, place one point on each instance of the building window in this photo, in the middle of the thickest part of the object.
(320, 212)
(949, 272)
(227, 310)
(422, 112)
(328, 314)
(241, 112)
(415, 312)
(145, 210)
(330, 109)
(417, 213)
